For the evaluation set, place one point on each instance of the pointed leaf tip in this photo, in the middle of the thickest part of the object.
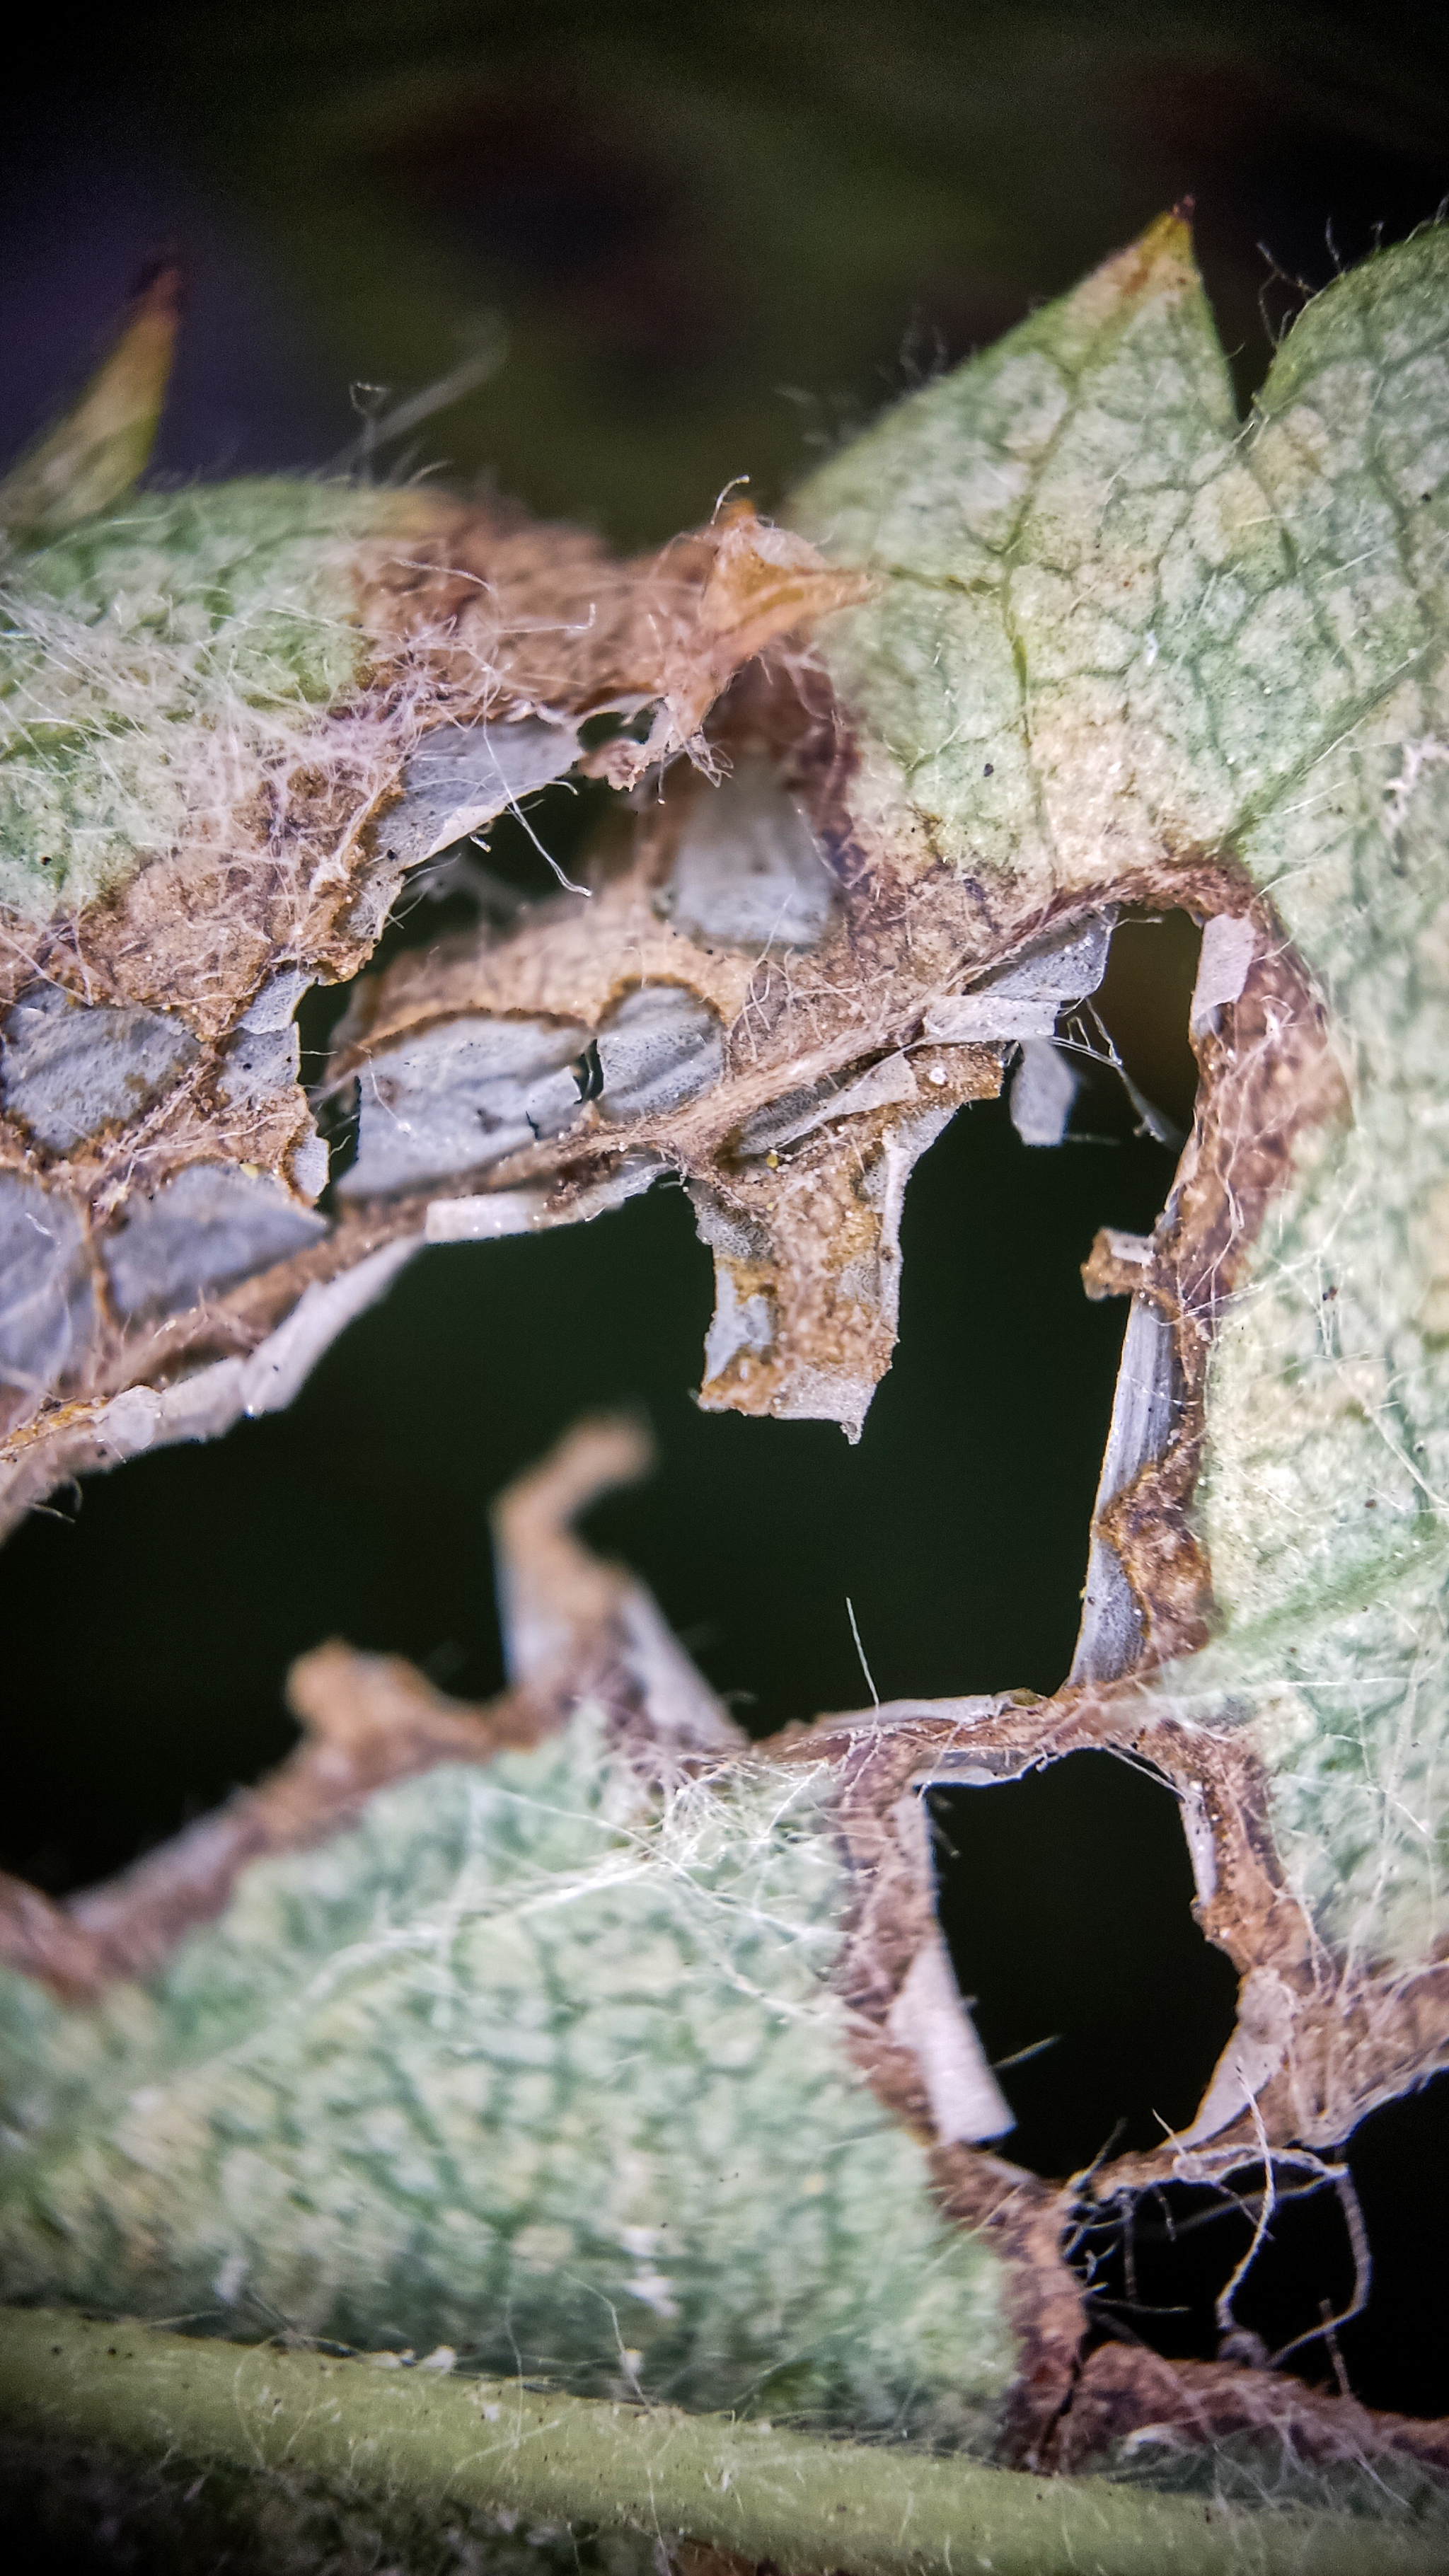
(1161, 253)
(101, 445)
(1158, 269)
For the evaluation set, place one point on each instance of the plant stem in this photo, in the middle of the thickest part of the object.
(804, 2503)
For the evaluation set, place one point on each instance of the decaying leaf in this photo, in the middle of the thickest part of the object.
(575, 2035)
(100, 449)
(1059, 636)
(234, 719)
(532, 2055)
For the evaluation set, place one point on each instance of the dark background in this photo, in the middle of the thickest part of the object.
(715, 240)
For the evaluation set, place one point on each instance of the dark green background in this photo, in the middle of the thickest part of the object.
(716, 239)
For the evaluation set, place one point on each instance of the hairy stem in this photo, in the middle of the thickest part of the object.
(156, 2398)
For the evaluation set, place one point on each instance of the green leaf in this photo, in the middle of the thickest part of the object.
(1124, 647)
(529, 2066)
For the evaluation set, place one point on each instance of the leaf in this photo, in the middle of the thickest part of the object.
(1083, 641)
(528, 2058)
(1120, 646)
(575, 2037)
(231, 719)
(103, 444)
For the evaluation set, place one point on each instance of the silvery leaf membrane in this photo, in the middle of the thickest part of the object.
(212, 1224)
(660, 1047)
(748, 868)
(457, 1098)
(69, 1069)
(461, 778)
(47, 1306)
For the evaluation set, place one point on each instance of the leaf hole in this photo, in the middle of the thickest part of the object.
(1155, 2263)
(1065, 1899)
(1139, 1016)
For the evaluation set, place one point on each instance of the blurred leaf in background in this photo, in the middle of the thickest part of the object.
(715, 237)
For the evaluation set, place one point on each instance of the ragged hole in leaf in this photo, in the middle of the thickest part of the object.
(339, 1121)
(499, 871)
(482, 883)
(1156, 2263)
(318, 1013)
(1139, 1013)
(1065, 1900)
(202, 1570)
(488, 881)
(1396, 2354)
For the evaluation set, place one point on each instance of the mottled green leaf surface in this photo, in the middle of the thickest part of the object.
(187, 637)
(525, 2066)
(1117, 635)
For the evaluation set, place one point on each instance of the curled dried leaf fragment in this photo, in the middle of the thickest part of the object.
(102, 445)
